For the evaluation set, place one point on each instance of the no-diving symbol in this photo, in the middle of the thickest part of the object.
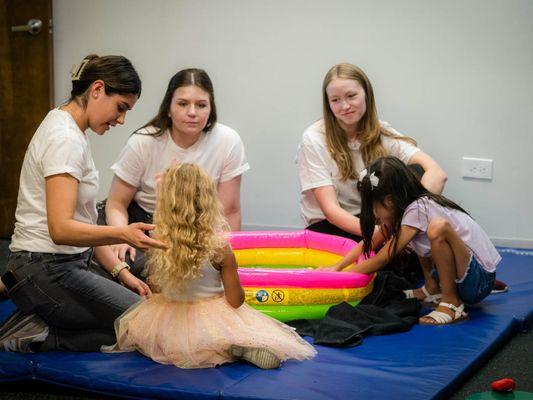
(278, 296)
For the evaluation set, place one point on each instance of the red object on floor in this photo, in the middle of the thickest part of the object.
(503, 385)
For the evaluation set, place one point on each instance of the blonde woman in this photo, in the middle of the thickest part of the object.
(196, 318)
(335, 149)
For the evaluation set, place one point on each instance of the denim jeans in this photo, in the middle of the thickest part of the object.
(475, 284)
(70, 294)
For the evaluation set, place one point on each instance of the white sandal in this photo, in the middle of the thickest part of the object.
(442, 318)
(431, 300)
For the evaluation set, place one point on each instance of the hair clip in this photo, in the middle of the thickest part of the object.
(77, 70)
(374, 180)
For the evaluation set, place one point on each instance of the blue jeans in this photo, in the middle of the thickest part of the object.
(71, 295)
(475, 284)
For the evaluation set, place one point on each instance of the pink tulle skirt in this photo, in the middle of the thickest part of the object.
(199, 334)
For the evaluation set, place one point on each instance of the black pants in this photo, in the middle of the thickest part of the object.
(327, 227)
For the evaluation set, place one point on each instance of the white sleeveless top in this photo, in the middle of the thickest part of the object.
(208, 284)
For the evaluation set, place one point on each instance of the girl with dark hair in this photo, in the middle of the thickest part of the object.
(184, 130)
(457, 257)
(64, 301)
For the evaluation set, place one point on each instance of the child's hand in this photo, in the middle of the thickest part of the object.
(334, 267)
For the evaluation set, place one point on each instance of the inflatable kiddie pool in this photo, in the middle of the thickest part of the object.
(278, 272)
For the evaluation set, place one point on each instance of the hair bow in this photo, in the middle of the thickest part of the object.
(374, 180)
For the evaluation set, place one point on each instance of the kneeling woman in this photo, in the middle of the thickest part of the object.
(65, 302)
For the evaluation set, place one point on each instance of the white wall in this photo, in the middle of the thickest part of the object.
(457, 76)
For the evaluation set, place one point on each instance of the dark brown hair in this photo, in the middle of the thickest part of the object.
(117, 72)
(403, 186)
(185, 77)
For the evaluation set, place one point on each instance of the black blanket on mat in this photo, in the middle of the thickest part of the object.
(384, 310)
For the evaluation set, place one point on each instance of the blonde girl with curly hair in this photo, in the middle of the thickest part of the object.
(196, 317)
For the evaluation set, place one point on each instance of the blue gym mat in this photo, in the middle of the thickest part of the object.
(426, 362)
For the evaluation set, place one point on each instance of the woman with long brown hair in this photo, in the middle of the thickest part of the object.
(335, 149)
(184, 130)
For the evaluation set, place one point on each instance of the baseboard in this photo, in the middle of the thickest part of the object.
(518, 243)
(266, 227)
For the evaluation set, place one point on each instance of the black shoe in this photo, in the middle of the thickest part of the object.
(499, 287)
(20, 331)
(259, 356)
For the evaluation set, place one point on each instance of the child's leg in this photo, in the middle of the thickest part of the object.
(429, 282)
(451, 258)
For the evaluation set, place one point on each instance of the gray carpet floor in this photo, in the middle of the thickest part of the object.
(513, 360)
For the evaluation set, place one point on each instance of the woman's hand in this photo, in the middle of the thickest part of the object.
(133, 283)
(120, 251)
(134, 235)
(434, 177)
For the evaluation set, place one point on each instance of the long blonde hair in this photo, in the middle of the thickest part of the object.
(189, 218)
(370, 130)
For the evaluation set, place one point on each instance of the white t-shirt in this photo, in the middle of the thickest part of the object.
(57, 147)
(207, 284)
(316, 168)
(220, 152)
(419, 214)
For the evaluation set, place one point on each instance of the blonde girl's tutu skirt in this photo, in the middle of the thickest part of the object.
(199, 334)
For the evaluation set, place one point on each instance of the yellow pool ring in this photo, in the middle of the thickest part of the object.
(285, 256)
(302, 296)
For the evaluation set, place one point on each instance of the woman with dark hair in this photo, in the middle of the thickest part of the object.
(184, 130)
(64, 301)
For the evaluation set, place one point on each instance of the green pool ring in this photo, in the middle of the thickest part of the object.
(281, 266)
(493, 395)
(288, 313)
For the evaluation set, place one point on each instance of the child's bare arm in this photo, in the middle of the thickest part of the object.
(232, 285)
(353, 254)
(347, 260)
(407, 233)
